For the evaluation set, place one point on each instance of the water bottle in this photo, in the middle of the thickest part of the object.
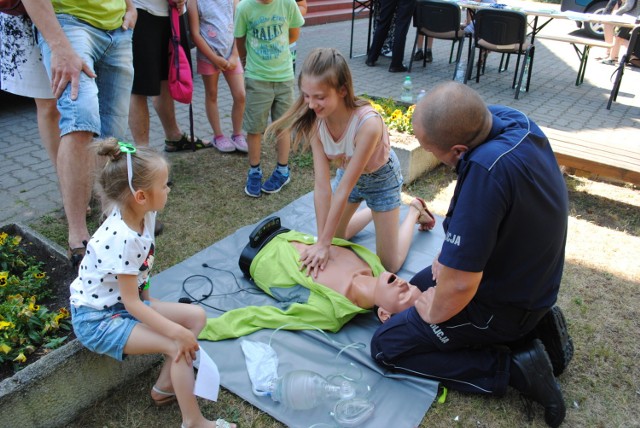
(420, 95)
(461, 70)
(407, 90)
(304, 389)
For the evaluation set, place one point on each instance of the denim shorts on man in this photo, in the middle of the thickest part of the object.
(103, 331)
(380, 189)
(102, 106)
(264, 98)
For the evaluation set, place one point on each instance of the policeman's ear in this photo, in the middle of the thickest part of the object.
(459, 149)
(383, 314)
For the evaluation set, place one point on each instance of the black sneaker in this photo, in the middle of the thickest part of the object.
(542, 387)
(428, 56)
(552, 331)
(419, 55)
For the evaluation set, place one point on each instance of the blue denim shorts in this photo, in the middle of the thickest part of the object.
(380, 189)
(103, 331)
(102, 106)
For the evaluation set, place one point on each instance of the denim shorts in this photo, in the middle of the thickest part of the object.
(103, 331)
(264, 98)
(380, 189)
(102, 106)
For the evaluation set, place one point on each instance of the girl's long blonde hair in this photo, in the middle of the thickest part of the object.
(329, 65)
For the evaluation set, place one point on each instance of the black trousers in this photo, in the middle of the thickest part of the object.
(466, 353)
(403, 9)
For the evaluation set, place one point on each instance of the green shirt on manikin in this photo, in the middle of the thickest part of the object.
(305, 303)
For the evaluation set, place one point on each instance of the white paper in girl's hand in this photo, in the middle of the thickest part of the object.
(208, 378)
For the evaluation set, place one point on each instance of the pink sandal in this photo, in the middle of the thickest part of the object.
(426, 220)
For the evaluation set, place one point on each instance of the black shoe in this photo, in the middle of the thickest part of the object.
(158, 229)
(428, 56)
(398, 69)
(370, 63)
(419, 55)
(542, 387)
(552, 331)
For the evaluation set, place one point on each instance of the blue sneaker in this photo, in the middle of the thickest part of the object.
(276, 182)
(254, 181)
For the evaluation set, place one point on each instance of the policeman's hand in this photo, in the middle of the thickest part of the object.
(424, 302)
(66, 66)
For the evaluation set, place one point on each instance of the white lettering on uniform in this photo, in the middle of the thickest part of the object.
(453, 239)
(439, 333)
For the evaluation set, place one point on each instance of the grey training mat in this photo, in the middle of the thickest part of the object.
(400, 400)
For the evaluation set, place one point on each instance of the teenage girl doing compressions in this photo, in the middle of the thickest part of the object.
(342, 128)
(111, 310)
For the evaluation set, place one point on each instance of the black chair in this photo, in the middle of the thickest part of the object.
(361, 7)
(633, 50)
(438, 20)
(505, 32)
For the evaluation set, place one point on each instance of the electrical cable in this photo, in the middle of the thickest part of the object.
(189, 298)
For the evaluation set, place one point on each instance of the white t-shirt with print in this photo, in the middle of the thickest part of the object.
(113, 249)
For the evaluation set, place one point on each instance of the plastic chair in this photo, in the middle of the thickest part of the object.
(632, 50)
(438, 20)
(505, 32)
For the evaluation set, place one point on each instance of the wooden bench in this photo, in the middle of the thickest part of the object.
(577, 41)
(588, 157)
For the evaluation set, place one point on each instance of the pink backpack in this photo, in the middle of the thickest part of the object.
(180, 78)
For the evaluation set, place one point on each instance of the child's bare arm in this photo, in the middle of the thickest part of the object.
(302, 5)
(294, 33)
(242, 49)
(200, 42)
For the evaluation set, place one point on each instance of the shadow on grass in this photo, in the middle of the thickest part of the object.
(606, 211)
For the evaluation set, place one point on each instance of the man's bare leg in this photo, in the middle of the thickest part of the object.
(139, 119)
(48, 118)
(75, 171)
(165, 108)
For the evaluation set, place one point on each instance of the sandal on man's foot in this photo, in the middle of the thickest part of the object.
(167, 397)
(184, 143)
(426, 220)
(77, 254)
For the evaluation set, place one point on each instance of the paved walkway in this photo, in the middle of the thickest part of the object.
(28, 185)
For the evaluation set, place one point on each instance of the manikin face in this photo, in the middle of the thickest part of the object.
(394, 294)
(320, 97)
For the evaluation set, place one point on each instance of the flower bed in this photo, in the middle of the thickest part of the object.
(32, 320)
(56, 387)
(414, 161)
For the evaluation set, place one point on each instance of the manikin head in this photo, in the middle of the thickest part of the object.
(450, 120)
(393, 294)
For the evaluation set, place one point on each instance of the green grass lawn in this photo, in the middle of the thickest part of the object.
(599, 294)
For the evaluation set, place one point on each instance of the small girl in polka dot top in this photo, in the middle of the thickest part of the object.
(112, 312)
